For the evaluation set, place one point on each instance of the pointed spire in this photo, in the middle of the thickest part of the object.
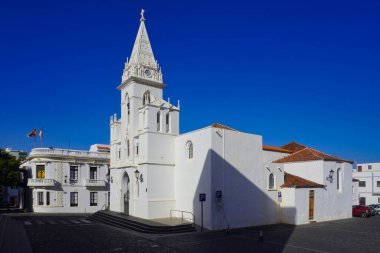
(142, 52)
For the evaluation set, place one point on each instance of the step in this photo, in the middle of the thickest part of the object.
(142, 227)
(125, 223)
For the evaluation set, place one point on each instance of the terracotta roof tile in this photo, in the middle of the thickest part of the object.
(292, 181)
(276, 149)
(293, 146)
(309, 154)
(217, 125)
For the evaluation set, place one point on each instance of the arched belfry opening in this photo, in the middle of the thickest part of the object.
(126, 192)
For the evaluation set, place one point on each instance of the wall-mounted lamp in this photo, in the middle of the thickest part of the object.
(139, 176)
(66, 179)
(330, 177)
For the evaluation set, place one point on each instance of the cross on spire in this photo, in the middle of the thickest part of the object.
(142, 15)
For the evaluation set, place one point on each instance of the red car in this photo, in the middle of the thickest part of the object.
(362, 211)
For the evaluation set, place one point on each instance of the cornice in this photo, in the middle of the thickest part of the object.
(141, 81)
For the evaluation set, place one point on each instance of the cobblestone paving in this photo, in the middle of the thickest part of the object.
(65, 235)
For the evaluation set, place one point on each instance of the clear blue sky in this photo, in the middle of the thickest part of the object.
(307, 71)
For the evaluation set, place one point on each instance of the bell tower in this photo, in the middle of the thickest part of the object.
(142, 140)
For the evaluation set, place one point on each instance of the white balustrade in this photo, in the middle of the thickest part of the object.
(42, 182)
(68, 152)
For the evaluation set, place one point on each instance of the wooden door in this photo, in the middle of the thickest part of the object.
(360, 168)
(311, 204)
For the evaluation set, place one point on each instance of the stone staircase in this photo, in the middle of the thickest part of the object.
(139, 225)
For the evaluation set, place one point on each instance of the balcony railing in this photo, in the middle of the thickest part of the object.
(68, 153)
(94, 182)
(40, 182)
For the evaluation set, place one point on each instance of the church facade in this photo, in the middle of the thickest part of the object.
(157, 172)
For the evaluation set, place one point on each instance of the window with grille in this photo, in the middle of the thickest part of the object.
(93, 172)
(40, 198)
(73, 199)
(93, 198)
(361, 183)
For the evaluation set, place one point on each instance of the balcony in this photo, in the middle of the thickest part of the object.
(40, 182)
(94, 183)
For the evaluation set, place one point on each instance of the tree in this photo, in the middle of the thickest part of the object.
(9, 169)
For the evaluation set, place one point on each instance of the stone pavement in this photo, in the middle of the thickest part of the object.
(70, 233)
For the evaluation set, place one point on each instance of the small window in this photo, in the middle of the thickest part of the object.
(378, 183)
(378, 200)
(119, 153)
(93, 198)
(369, 167)
(73, 199)
(359, 168)
(128, 148)
(361, 183)
(167, 122)
(338, 178)
(189, 150)
(40, 198)
(48, 198)
(271, 181)
(158, 121)
(137, 149)
(93, 172)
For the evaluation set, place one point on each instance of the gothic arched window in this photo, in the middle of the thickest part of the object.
(271, 181)
(189, 150)
(158, 121)
(146, 97)
(128, 149)
(128, 106)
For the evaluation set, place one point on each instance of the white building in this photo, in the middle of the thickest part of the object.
(68, 181)
(155, 170)
(368, 176)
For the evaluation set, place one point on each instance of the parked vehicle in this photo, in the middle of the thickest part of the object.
(361, 211)
(376, 207)
(372, 211)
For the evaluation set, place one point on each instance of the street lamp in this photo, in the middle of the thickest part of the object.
(330, 177)
(139, 176)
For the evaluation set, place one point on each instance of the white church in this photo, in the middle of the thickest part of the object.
(155, 170)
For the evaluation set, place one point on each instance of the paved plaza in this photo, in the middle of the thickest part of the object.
(64, 233)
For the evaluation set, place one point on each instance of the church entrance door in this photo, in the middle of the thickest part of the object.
(126, 193)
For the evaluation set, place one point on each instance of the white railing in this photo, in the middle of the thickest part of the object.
(94, 182)
(68, 152)
(41, 182)
(183, 216)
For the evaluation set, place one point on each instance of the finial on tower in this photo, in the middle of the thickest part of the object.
(142, 15)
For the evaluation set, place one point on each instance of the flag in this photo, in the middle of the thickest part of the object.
(41, 134)
(33, 133)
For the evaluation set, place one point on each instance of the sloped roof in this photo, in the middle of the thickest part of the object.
(309, 154)
(217, 125)
(292, 181)
(276, 149)
(293, 146)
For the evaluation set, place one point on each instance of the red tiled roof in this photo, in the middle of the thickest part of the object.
(292, 181)
(276, 149)
(217, 125)
(293, 146)
(309, 154)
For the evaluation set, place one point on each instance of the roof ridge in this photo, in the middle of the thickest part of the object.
(289, 155)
